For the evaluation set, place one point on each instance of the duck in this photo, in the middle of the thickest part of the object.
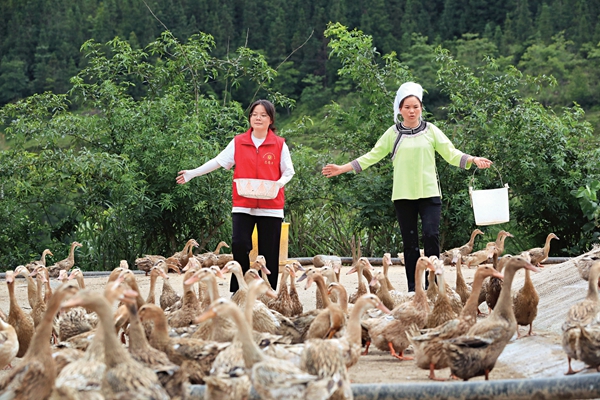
(188, 252)
(351, 341)
(211, 258)
(171, 376)
(155, 272)
(476, 352)
(493, 286)
(283, 302)
(464, 250)
(389, 332)
(330, 319)
(341, 296)
(219, 329)
(76, 320)
(386, 261)
(478, 257)
(190, 305)
(239, 297)
(34, 377)
(272, 378)
(31, 284)
(428, 343)
(390, 298)
(168, 296)
(583, 265)
(124, 376)
(83, 376)
(525, 301)
(579, 315)
(589, 345)
(39, 308)
(9, 344)
(67, 263)
(42, 261)
(296, 305)
(461, 288)
(361, 265)
(540, 254)
(19, 319)
(193, 355)
(442, 310)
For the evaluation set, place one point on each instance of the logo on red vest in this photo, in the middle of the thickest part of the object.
(269, 158)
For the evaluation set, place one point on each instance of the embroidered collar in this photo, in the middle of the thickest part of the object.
(401, 131)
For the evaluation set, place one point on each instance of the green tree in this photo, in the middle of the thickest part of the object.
(107, 177)
(14, 83)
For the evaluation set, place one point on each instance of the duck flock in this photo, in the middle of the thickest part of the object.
(78, 343)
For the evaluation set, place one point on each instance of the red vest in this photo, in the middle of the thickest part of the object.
(261, 163)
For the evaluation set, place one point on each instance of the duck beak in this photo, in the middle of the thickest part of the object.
(271, 293)
(383, 308)
(208, 314)
(265, 270)
(498, 275)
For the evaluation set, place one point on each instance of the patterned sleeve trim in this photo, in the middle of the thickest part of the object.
(463, 161)
(356, 166)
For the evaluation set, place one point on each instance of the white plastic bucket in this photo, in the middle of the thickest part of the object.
(490, 206)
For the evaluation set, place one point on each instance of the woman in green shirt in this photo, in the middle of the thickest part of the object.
(416, 192)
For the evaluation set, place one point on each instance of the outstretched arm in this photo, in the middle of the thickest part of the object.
(333, 169)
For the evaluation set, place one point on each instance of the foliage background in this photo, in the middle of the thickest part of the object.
(96, 126)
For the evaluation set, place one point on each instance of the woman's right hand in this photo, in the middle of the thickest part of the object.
(180, 178)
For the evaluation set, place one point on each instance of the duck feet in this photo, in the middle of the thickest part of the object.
(572, 371)
(366, 352)
(432, 373)
(400, 356)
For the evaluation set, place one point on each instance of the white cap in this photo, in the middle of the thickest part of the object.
(405, 90)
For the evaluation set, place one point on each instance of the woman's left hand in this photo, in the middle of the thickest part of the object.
(482, 162)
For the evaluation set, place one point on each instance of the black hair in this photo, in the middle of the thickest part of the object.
(412, 95)
(269, 108)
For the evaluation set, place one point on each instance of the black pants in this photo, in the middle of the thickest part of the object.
(407, 213)
(269, 236)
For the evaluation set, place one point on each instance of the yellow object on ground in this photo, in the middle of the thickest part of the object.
(283, 244)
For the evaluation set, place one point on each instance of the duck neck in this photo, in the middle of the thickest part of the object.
(320, 282)
(43, 258)
(460, 279)
(240, 278)
(159, 338)
(212, 287)
(504, 307)
(343, 298)
(547, 246)
(114, 352)
(40, 345)
(249, 306)
(420, 294)
(283, 287)
(14, 305)
(470, 307)
(72, 253)
(137, 337)
(354, 329)
(151, 299)
(252, 353)
(80, 281)
(592, 293)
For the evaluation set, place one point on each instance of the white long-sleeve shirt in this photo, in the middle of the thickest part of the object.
(226, 159)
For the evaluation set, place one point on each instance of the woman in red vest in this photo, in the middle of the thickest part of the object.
(257, 153)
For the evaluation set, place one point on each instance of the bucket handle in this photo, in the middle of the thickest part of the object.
(473, 181)
(498, 171)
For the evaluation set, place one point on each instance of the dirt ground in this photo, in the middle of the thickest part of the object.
(538, 356)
